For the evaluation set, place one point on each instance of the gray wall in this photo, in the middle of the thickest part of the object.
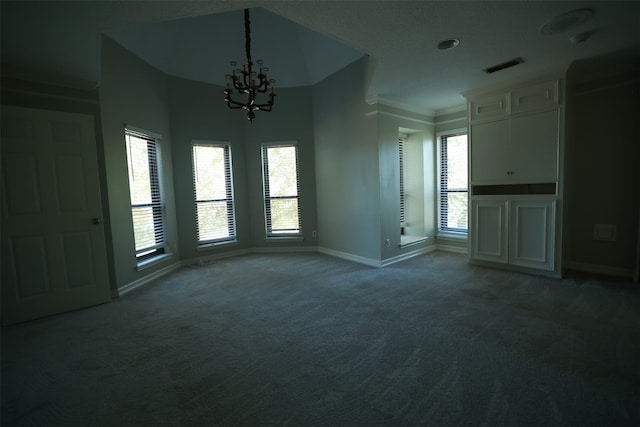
(347, 173)
(603, 162)
(133, 93)
(198, 112)
(290, 120)
(390, 121)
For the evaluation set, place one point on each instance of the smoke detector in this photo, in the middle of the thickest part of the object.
(566, 21)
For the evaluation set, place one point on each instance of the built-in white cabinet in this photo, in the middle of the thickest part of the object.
(517, 232)
(515, 176)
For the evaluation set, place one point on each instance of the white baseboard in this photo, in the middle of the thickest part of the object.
(606, 270)
(350, 257)
(408, 255)
(144, 280)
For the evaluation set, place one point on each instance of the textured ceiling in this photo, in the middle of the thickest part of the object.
(303, 41)
(201, 48)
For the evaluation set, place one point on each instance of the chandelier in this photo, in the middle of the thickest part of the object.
(247, 82)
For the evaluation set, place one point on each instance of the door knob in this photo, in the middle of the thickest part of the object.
(96, 221)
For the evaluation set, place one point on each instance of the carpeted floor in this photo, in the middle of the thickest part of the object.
(307, 340)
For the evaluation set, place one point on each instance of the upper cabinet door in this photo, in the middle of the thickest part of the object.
(489, 150)
(534, 148)
(492, 107)
(536, 97)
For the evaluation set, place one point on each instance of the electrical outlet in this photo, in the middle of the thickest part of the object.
(387, 243)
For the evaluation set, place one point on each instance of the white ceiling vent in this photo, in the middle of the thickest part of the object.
(508, 64)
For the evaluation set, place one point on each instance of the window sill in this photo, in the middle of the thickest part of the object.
(284, 239)
(148, 263)
(406, 241)
(211, 245)
(457, 237)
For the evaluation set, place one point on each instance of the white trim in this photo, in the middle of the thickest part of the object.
(148, 278)
(450, 110)
(151, 262)
(375, 99)
(289, 143)
(284, 238)
(350, 257)
(407, 255)
(453, 132)
(461, 119)
(411, 241)
(216, 244)
(397, 116)
(144, 132)
(606, 270)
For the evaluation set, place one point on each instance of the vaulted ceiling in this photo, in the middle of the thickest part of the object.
(302, 42)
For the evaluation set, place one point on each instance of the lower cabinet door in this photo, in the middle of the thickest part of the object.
(531, 233)
(488, 236)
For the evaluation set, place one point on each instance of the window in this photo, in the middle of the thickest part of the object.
(417, 203)
(401, 142)
(213, 193)
(281, 190)
(143, 152)
(453, 183)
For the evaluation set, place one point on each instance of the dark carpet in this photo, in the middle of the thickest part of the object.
(308, 339)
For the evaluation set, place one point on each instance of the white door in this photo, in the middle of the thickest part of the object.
(534, 147)
(489, 152)
(53, 245)
(488, 234)
(532, 234)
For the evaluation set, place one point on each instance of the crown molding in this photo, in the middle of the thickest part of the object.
(450, 110)
(376, 99)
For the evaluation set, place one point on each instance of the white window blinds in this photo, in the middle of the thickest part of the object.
(453, 183)
(401, 149)
(144, 190)
(213, 193)
(281, 190)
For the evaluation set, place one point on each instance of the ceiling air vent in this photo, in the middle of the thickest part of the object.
(504, 65)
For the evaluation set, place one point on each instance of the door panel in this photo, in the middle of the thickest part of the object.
(489, 230)
(534, 143)
(23, 190)
(29, 267)
(70, 184)
(532, 231)
(53, 255)
(490, 152)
